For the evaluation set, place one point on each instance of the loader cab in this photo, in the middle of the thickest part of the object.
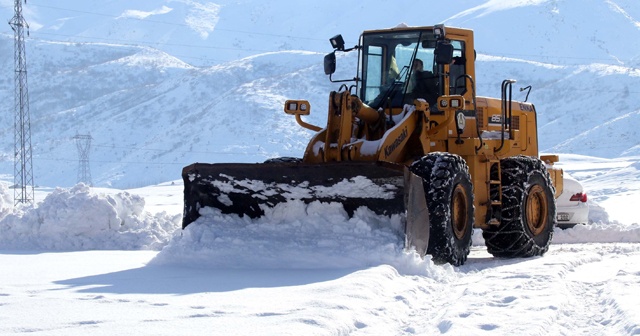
(389, 77)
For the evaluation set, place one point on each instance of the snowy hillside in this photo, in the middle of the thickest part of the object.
(161, 84)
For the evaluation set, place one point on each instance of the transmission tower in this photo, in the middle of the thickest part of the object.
(83, 142)
(23, 164)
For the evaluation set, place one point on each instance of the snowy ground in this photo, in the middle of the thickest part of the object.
(113, 262)
(574, 289)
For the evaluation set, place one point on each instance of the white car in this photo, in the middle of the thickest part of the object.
(572, 207)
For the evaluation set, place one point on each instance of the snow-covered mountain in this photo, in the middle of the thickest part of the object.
(161, 84)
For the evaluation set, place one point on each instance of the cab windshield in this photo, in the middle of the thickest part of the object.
(390, 62)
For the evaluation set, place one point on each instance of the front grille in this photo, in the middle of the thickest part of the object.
(515, 122)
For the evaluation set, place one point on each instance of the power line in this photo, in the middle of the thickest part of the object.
(143, 42)
(156, 44)
(258, 152)
(154, 163)
(173, 150)
(261, 34)
(179, 24)
(151, 45)
(31, 37)
(549, 56)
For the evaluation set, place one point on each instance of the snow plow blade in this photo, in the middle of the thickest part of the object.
(249, 189)
(246, 189)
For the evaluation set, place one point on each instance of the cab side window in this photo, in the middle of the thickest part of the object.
(457, 69)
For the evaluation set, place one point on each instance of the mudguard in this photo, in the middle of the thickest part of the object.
(417, 225)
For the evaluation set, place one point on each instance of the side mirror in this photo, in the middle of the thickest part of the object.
(330, 63)
(444, 52)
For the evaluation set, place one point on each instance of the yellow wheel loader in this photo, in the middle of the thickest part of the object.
(408, 136)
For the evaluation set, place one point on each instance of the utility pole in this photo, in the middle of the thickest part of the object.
(83, 142)
(23, 163)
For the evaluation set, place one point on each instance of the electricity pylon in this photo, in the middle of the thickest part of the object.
(23, 162)
(83, 142)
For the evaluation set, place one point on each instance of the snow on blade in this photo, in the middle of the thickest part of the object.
(358, 186)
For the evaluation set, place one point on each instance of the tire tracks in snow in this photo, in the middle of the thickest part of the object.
(591, 306)
(539, 296)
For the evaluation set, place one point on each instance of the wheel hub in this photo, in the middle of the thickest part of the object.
(459, 213)
(537, 209)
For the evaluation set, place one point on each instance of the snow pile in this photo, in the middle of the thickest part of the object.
(581, 234)
(295, 235)
(6, 202)
(598, 233)
(597, 213)
(77, 219)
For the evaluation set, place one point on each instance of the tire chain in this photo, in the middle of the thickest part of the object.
(510, 238)
(438, 168)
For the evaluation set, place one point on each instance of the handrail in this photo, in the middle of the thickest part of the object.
(507, 84)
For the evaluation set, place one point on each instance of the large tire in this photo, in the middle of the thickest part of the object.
(449, 195)
(528, 210)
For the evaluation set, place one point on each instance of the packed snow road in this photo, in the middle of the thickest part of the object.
(574, 289)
